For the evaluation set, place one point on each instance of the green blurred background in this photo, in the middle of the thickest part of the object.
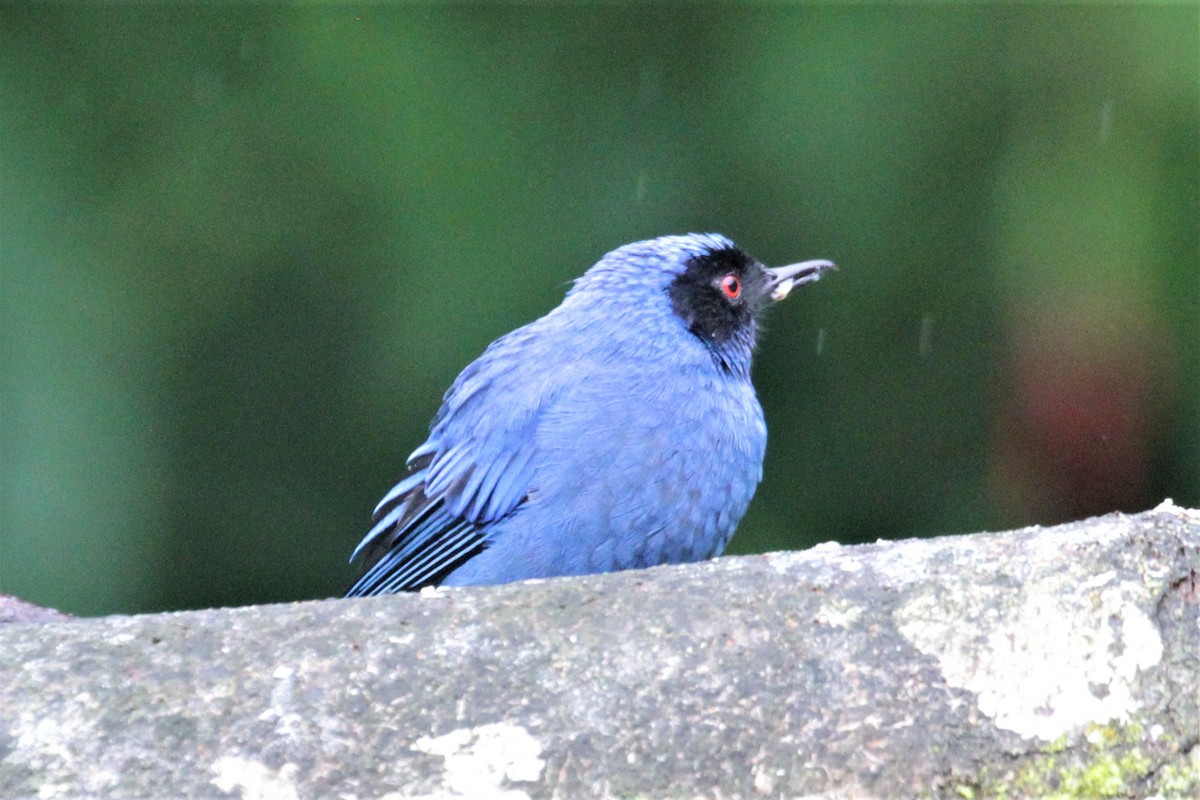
(246, 248)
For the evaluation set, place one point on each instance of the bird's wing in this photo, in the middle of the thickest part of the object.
(474, 469)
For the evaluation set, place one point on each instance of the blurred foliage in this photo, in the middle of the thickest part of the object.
(245, 249)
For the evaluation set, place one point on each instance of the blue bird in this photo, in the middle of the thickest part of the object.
(618, 431)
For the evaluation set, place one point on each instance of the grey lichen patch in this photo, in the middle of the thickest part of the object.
(1045, 655)
(480, 761)
(248, 778)
(838, 614)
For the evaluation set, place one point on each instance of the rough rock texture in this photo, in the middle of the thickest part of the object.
(13, 609)
(1041, 661)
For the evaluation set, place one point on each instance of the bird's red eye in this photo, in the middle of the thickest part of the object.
(731, 287)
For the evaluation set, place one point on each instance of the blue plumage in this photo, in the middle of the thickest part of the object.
(618, 431)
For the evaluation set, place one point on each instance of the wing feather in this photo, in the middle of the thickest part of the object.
(475, 468)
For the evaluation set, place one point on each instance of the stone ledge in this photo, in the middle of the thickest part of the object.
(1030, 662)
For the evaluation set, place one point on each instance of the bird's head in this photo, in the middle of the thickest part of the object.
(709, 284)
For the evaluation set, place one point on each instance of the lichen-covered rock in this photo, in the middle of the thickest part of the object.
(1039, 661)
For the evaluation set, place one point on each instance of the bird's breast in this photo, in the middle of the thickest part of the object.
(642, 469)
